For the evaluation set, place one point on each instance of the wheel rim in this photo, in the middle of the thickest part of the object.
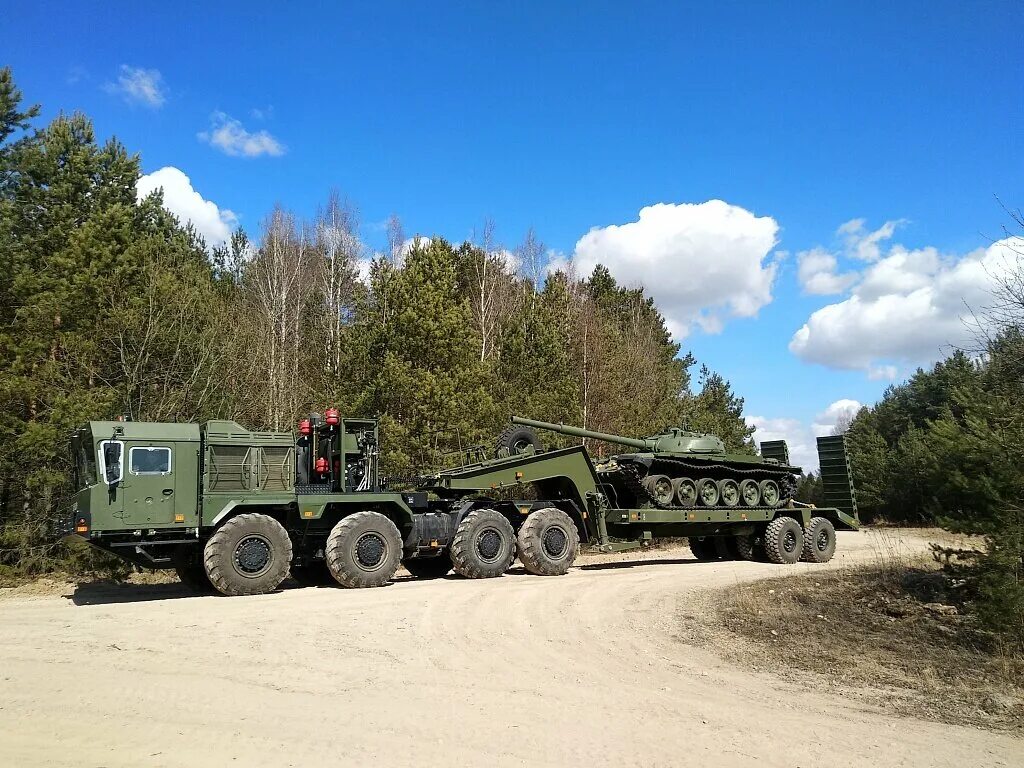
(555, 542)
(789, 542)
(687, 493)
(253, 556)
(822, 540)
(770, 493)
(730, 493)
(371, 550)
(519, 446)
(750, 492)
(488, 545)
(709, 494)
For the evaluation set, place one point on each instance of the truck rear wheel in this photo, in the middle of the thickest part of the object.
(784, 541)
(248, 555)
(429, 567)
(548, 542)
(364, 550)
(484, 545)
(819, 541)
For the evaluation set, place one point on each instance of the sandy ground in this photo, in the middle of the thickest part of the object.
(585, 669)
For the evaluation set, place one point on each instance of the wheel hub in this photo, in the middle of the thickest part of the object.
(789, 542)
(822, 541)
(488, 545)
(370, 551)
(252, 555)
(555, 542)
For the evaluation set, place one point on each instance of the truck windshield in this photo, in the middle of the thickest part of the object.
(85, 465)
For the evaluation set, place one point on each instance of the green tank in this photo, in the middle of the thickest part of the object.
(675, 468)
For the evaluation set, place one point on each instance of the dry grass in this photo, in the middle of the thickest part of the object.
(896, 632)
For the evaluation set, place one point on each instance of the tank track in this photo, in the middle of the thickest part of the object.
(631, 479)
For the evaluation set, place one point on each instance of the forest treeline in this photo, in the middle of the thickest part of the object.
(109, 305)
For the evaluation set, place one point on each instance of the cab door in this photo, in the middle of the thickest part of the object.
(148, 485)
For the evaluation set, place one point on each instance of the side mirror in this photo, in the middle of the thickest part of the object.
(112, 462)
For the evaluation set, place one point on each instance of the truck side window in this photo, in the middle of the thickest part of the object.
(149, 461)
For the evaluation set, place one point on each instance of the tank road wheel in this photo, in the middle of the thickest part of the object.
(703, 547)
(429, 567)
(784, 541)
(819, 541)
(745, 547)
(364, 550)
(548, 542)
(188, 564)
(248, 555)
(770, 494)
(484, 545)
(750, 493)
(515, 440)
(686, 492)
(729, 490)
(660, 488)
(707, 492)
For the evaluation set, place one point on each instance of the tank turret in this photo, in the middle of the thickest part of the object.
(674, 468)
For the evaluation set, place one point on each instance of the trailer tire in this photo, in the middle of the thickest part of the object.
(548, 542)
(703, 548)
(249, 555)
(515, 440)
(363, 550)
(484, 545)
(746, 549)
(313, 574)
(429, 567)
(783, 541)
(819, 541)
(188, 564)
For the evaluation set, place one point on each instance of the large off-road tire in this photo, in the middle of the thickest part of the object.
(484, 545)
(188, 564)
(516, 439)
(248, 555)
(314, 573)
(548, 542)
(819, 541)
(746, 549)
(703, 548)
(429, 567)
(725, 546)
(783, 541)
(364, 550)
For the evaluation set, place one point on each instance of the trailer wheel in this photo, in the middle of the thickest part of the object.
(313, 574)
(548, 542)
(429, 567)
(248, 555)
(746, 549)
(364, 550)
(819, 541)
(707, 492)
(188, 564)
(703, 548)
(515, 440)
(750, 493)
(484, 545)
(783, 540)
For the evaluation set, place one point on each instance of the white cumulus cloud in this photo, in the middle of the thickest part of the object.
(702, 262)
(213, 223)
(230, 137)
(801, 437)
(817, 271)
(908, 308)
(139, 86)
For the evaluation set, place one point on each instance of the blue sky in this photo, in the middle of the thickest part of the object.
(566, 118)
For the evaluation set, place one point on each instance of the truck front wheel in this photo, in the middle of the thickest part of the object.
(364, 550)
(248, 555)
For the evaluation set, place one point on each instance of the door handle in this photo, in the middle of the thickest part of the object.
(168, 491)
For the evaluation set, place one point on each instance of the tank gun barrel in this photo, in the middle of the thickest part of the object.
(577, 432)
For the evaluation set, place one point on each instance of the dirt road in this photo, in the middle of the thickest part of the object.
(586, 669)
